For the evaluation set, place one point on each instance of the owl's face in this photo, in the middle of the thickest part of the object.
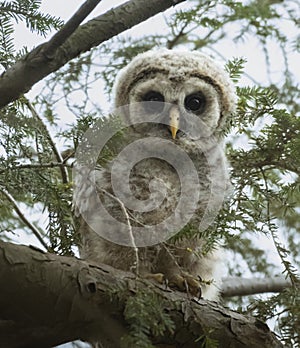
(187, 91)
(179, 104)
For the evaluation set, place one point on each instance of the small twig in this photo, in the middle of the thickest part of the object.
(166, 247)
(57, 154)
(133, 218)
(135, 248)
(174, 41)
(34, 230)
(67, 154)
(68, 29)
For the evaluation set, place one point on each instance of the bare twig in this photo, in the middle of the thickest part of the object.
(167, 247)
(34, 230)
(172, 43)
(124, 210)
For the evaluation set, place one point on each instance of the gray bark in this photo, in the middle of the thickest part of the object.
(47, 300)
(250, 286)
(37, 64)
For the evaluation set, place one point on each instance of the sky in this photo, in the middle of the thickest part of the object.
(256, 66)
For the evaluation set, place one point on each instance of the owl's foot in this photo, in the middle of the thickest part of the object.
(158, 277)
(185, 282)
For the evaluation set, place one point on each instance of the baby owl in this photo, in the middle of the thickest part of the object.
(175, 106)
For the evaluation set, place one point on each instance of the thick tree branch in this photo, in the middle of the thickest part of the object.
(48, 299)
(33, 67)
(246, 286)
(68, 29)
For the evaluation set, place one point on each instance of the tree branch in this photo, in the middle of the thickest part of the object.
(37, 166)
(47, 300)
(68, 29)
(246, 286)
(37, 64)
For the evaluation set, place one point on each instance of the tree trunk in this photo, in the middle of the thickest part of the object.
(48, 299)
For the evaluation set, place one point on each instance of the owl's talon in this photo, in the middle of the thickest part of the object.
(186, 283)
(158, 277)
(183, 282)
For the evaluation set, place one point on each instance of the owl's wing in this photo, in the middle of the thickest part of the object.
(99, 144)
(85, 189)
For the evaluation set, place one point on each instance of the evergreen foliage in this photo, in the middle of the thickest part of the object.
(263, 148)
(27, 12)
(145, 314)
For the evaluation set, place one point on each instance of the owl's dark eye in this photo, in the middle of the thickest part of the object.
(195, 102)
(153, 97)
(156, 102)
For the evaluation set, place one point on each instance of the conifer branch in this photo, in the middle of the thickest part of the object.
(56, 152)
(21, 215)
(281, 250)
(37, 166)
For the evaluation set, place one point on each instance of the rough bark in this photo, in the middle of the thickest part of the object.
(47, 300)
(37, 64)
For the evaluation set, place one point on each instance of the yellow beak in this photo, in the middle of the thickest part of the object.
(174, 120)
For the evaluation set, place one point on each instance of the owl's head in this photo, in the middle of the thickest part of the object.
(189, 83)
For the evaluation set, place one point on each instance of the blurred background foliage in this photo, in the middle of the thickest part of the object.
(40, 132)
